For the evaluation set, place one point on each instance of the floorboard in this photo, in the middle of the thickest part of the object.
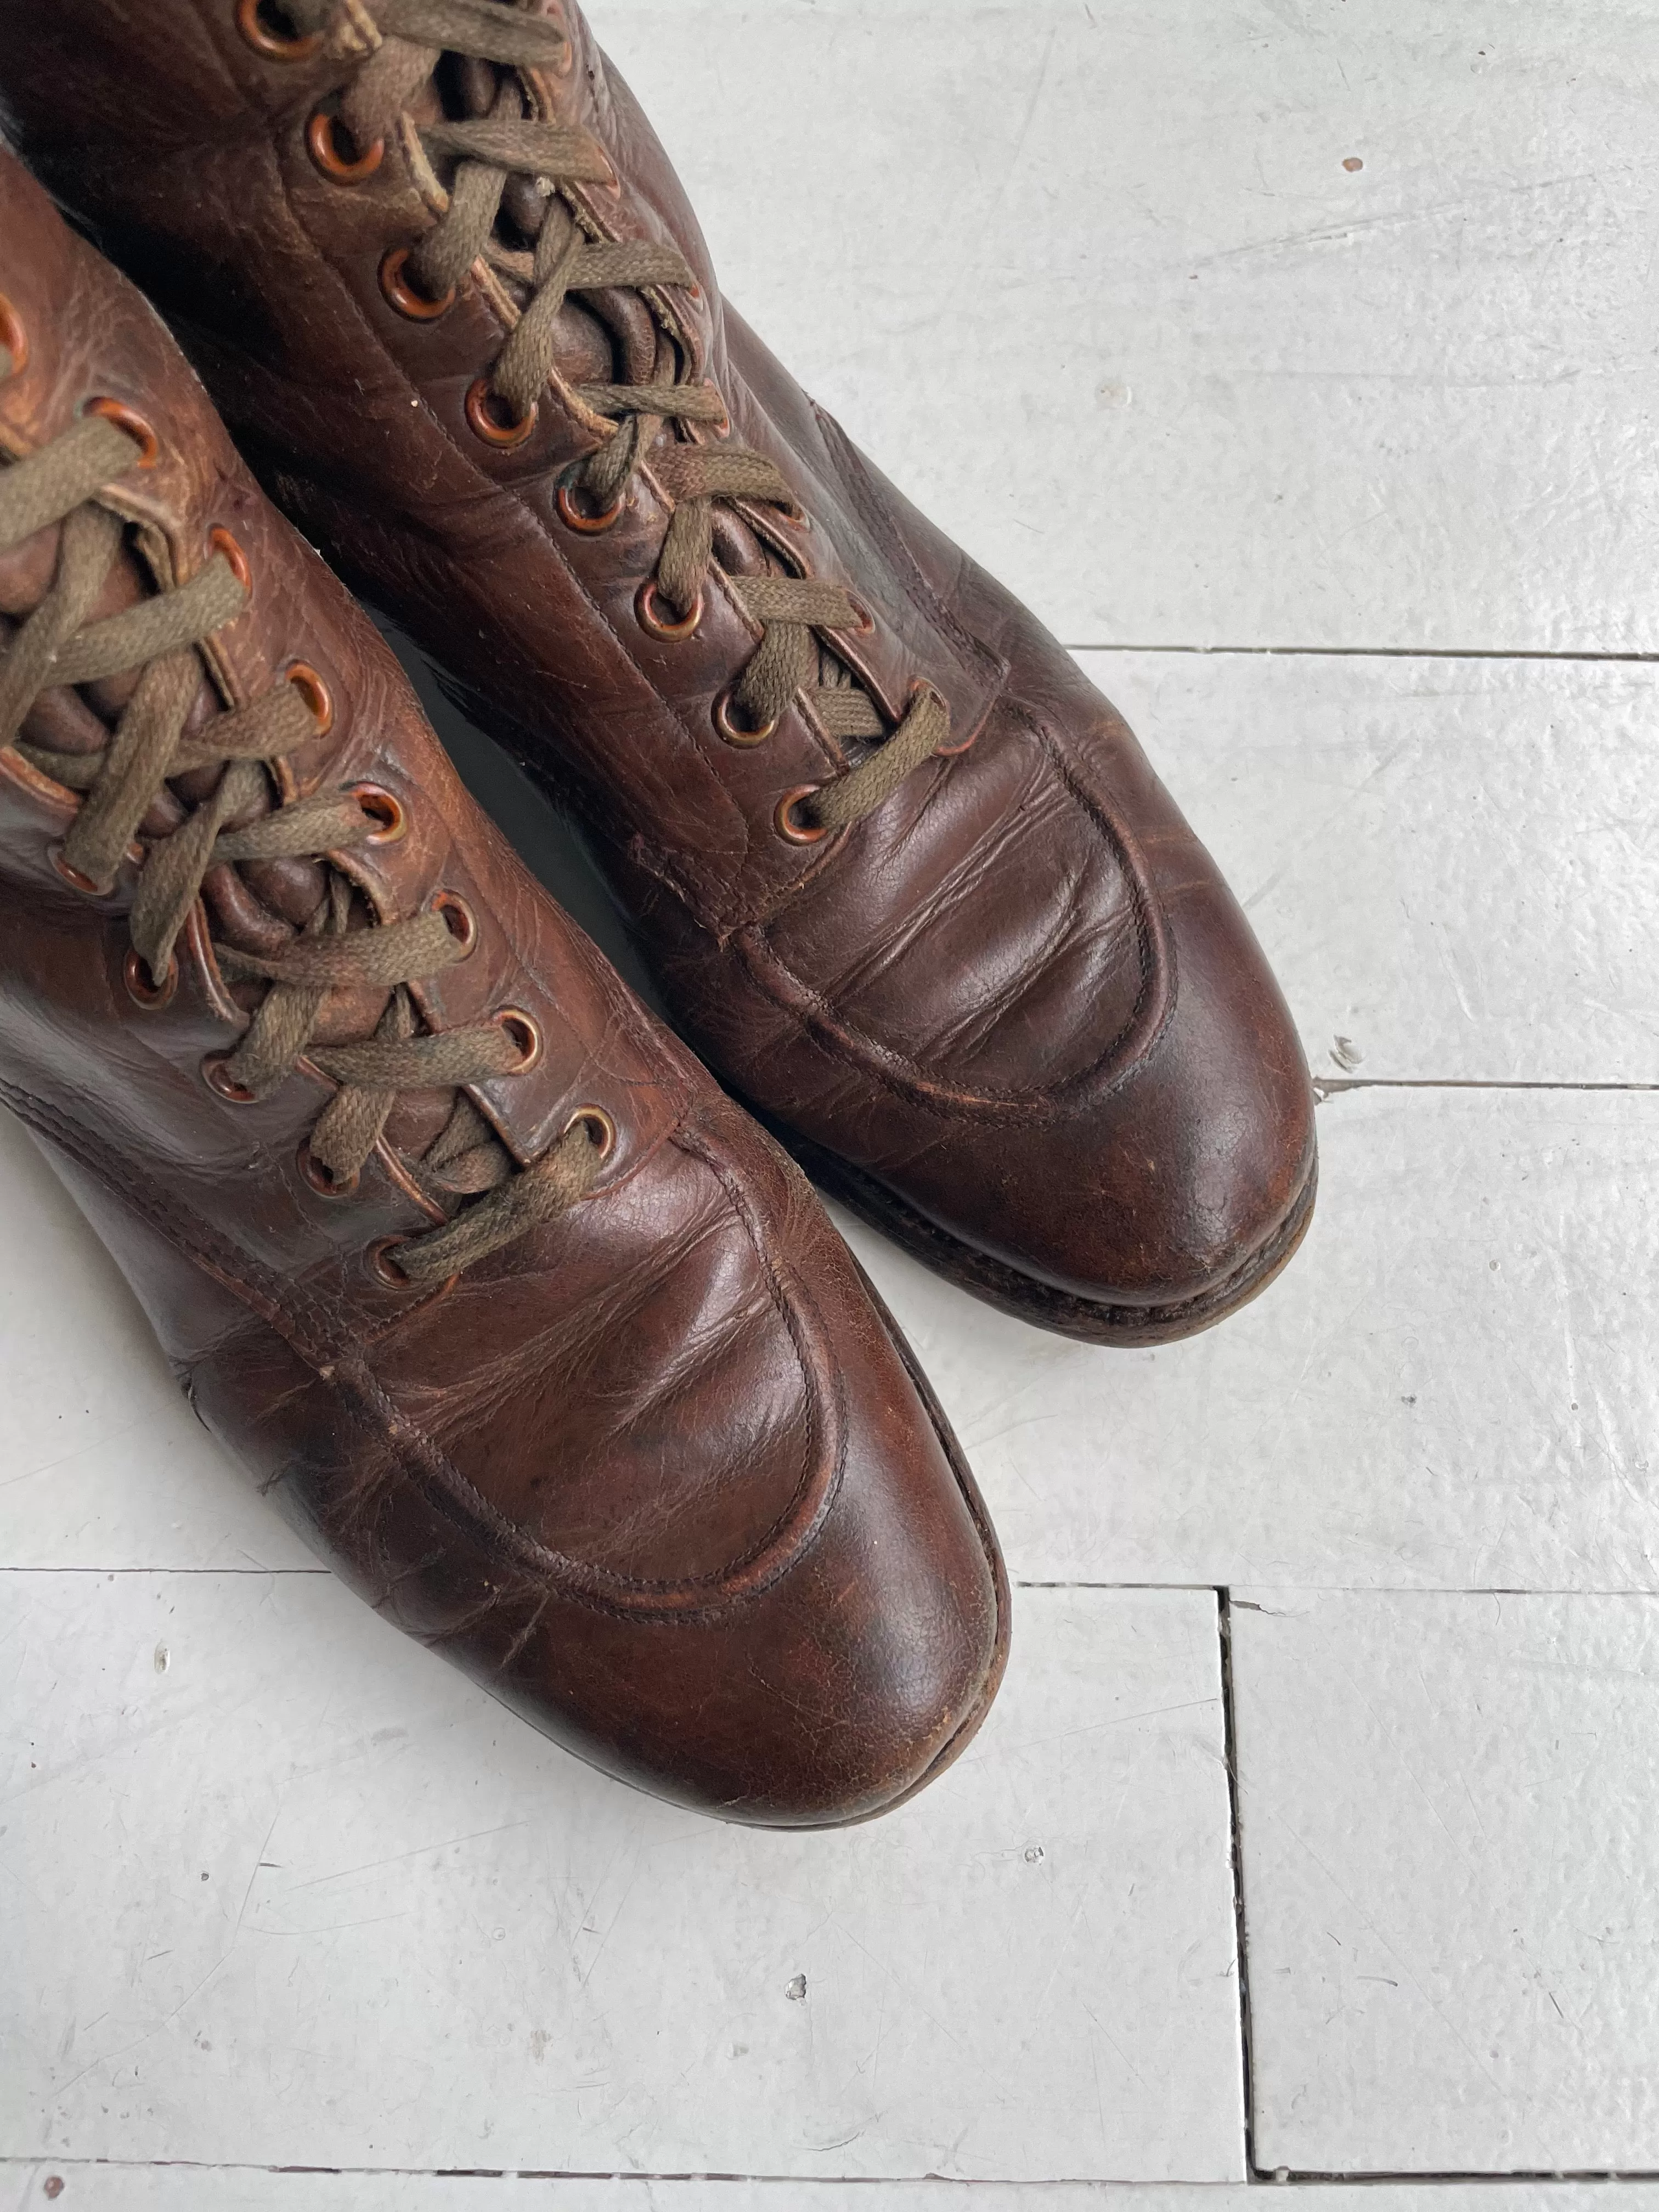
(1451, 1879)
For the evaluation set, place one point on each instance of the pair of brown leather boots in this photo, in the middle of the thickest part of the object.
(519, 1316)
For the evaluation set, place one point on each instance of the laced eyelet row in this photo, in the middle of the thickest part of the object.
(482, 404)
(646, 605)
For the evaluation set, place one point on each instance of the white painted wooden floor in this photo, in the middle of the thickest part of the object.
(1299, 361)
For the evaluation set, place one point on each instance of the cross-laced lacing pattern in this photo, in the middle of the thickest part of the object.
(505, 146)
(339, 946)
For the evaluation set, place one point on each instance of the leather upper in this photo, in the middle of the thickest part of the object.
(658, 1473)
(1016, 1002)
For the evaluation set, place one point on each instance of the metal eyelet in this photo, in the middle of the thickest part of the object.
(13, 337)
(798, 833)
(73, 877)
(127, 419)
(600, 1128)
(458, 918)
(223, 1085)
(383, 808)
(645, 607)
(322, 143)
(526, 1032)
(141, 986)
(220, 541)
(864, 622)
(272, 44)
(485, 425)
(402, 294)
(315, 693)
(317, 1177)
(737, 733)
(588, 525)
(384, 1268)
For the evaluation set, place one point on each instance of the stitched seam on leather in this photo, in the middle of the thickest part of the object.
(784, 1309)
(887, 535)
(888, 1068)
(244, 1277)
(334, 1357)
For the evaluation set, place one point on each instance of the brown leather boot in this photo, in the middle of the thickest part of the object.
(525, 1327)
(908, 879)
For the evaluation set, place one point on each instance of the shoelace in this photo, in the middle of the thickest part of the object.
(55, 646)
(507, 148)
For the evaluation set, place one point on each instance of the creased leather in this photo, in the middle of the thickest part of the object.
(658, 1473)
(1014, 1015)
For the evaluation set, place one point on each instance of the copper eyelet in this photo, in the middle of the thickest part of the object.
(271, 44)
(220, 541)
(404, 298)
(587, 525)
(223, 1085)
(600, 1128)
(798, 833)
(487, 426)
(737, 733)
(141, 988)
(323, 143)
(458, 918)
(864, 622)
(646, 605)
(73, 877)
(526, 1032)
(13, 337)
(384, 1269)
(316, 694)
(124, 418)
(381, 807)
(317, 1176)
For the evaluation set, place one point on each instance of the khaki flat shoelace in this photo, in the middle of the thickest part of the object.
(55, 646)
(506, 147)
